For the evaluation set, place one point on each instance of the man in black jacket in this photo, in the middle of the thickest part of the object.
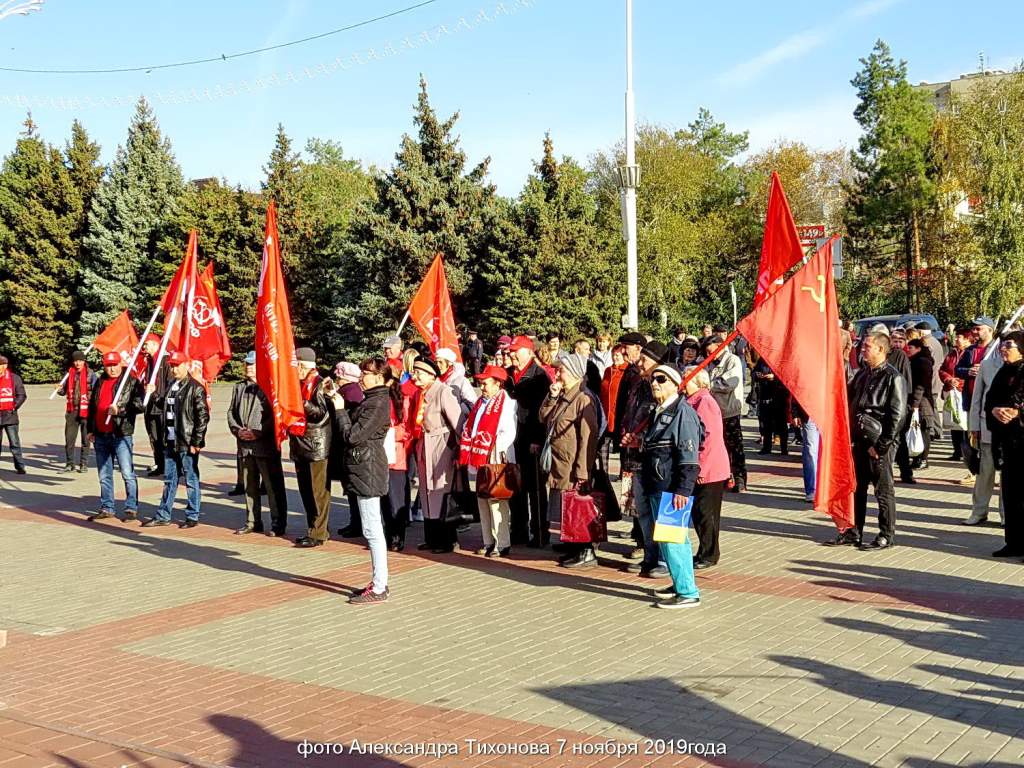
(110, 426)
(153, 418)
(185, 417)
(251, 421)
(878, 405)
(310, 450)
(473, 354)
(528, 385)
(12, 397)
(76, 390)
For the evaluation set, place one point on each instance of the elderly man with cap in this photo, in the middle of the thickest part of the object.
(153, 417)
(111, 428)
(12, 397)
(251, 421)
(473, 354)
(981, 436)
(528, 385)
(76, 390)
(938, 354)
(393, 354)
(311, 449)
(726, 374)
(453, 373)
(986, 344)
(439, 421)
(185, 417)
(488, 437)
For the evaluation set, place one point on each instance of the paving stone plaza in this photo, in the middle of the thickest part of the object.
(167, 647)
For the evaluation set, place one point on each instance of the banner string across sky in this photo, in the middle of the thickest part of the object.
(324, 69)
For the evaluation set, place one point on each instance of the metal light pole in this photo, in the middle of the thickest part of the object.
(629, 178)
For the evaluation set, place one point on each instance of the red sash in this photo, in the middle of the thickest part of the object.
(83, 391)
(7, 391)
(475, 450)
(308, 385)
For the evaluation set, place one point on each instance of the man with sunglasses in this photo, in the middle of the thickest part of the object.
(1004, 415)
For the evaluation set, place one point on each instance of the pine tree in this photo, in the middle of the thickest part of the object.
(427, 203)
(892, 186)
(558, 273)
(125, 267)
(82, 157)
(282, 186)
(37, 257)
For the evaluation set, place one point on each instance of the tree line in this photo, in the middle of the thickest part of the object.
(80, 241)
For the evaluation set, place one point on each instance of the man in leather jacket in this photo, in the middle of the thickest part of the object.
(184, 418)
(878, 405)
(111, 428)
(310, 450)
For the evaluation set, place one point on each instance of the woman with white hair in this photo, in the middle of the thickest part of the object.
(453, 373)
(714, 469)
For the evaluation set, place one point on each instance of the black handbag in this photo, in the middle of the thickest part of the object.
(869, 429)
(460, 507)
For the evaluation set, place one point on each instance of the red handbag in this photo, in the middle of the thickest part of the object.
(583, 520)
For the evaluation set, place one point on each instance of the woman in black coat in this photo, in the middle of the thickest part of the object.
(922, 400)
(1004, 414)
(365, 466)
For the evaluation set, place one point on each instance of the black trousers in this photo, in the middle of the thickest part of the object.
(771, 421)
(156, 442)
(267, 469)
(1012, 487)
(75, 431)
(878, 473)
(957, 437)
(732, 432)
(707, 519)
(14, 442)
(903, 458)
(528, 509)
(395, 506)
(315, 490)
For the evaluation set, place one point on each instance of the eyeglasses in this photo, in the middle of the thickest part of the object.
(1008, 345)
(659, 379)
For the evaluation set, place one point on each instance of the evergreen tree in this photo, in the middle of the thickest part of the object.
(558, 274)
(125, 267)
(426, 204)
(282, 186)
(82, 157)
(37, 257)
(891, 187)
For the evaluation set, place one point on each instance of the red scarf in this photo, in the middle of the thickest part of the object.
(475, 450)
(6, 391)
(83, 391)
(309, 384)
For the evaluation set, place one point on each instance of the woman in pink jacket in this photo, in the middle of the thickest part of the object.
(714, 470)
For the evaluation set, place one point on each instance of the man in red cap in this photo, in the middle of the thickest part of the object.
(152, 418)
(111, 427)
(528, 385)
(184, 418)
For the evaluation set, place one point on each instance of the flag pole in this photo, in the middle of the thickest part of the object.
(161, 353)
(57, 389)
(1013, 319)
(135, 356)
(401, 325)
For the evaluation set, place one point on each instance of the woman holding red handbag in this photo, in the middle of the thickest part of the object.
(569, 453)
(486, 450)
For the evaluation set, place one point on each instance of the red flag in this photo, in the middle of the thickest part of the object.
(207, 334)
(120, 337)
(276, 366)
(431, 310)
(179, 296)
(780, 248)
(796, 331)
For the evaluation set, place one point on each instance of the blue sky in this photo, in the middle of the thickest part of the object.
(776, 69)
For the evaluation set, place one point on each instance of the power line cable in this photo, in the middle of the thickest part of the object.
(221, 57)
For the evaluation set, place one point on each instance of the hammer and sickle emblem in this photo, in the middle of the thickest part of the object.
(819, 298)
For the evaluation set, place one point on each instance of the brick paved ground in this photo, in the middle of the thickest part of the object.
(173, 647)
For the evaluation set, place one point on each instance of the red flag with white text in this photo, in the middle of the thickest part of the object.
(207, 334)
(431, 310)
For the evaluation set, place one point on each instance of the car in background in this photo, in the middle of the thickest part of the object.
(891, 321)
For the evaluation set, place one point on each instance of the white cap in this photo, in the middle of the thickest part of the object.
(445, 354)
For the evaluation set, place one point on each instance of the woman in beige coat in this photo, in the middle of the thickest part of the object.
(438, 426)
(573, 428)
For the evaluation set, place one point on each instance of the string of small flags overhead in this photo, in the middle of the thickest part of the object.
(321, 70)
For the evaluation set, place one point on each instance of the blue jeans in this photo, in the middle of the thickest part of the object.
(811, 440)
(679, 558)
(107, 447)
(176, 465)
(373, 531)
(646, 514)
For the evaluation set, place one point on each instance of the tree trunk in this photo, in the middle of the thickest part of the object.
(908, 249)
(917, 254)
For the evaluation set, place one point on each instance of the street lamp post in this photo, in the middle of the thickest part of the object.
(629, 178)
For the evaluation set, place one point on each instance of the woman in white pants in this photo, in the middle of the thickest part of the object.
(365, 464)
(487, 438)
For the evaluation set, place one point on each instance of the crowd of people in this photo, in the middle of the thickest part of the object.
(521, 439)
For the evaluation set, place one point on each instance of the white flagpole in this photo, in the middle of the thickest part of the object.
(55, 391)
(401, 325)
(135, 356)
(161, 353)
(1013, 318)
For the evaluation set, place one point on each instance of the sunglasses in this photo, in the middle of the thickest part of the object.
(660, 379)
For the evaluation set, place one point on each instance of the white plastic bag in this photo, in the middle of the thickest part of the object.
(915, 437)
(390, 446)
(953, 414)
